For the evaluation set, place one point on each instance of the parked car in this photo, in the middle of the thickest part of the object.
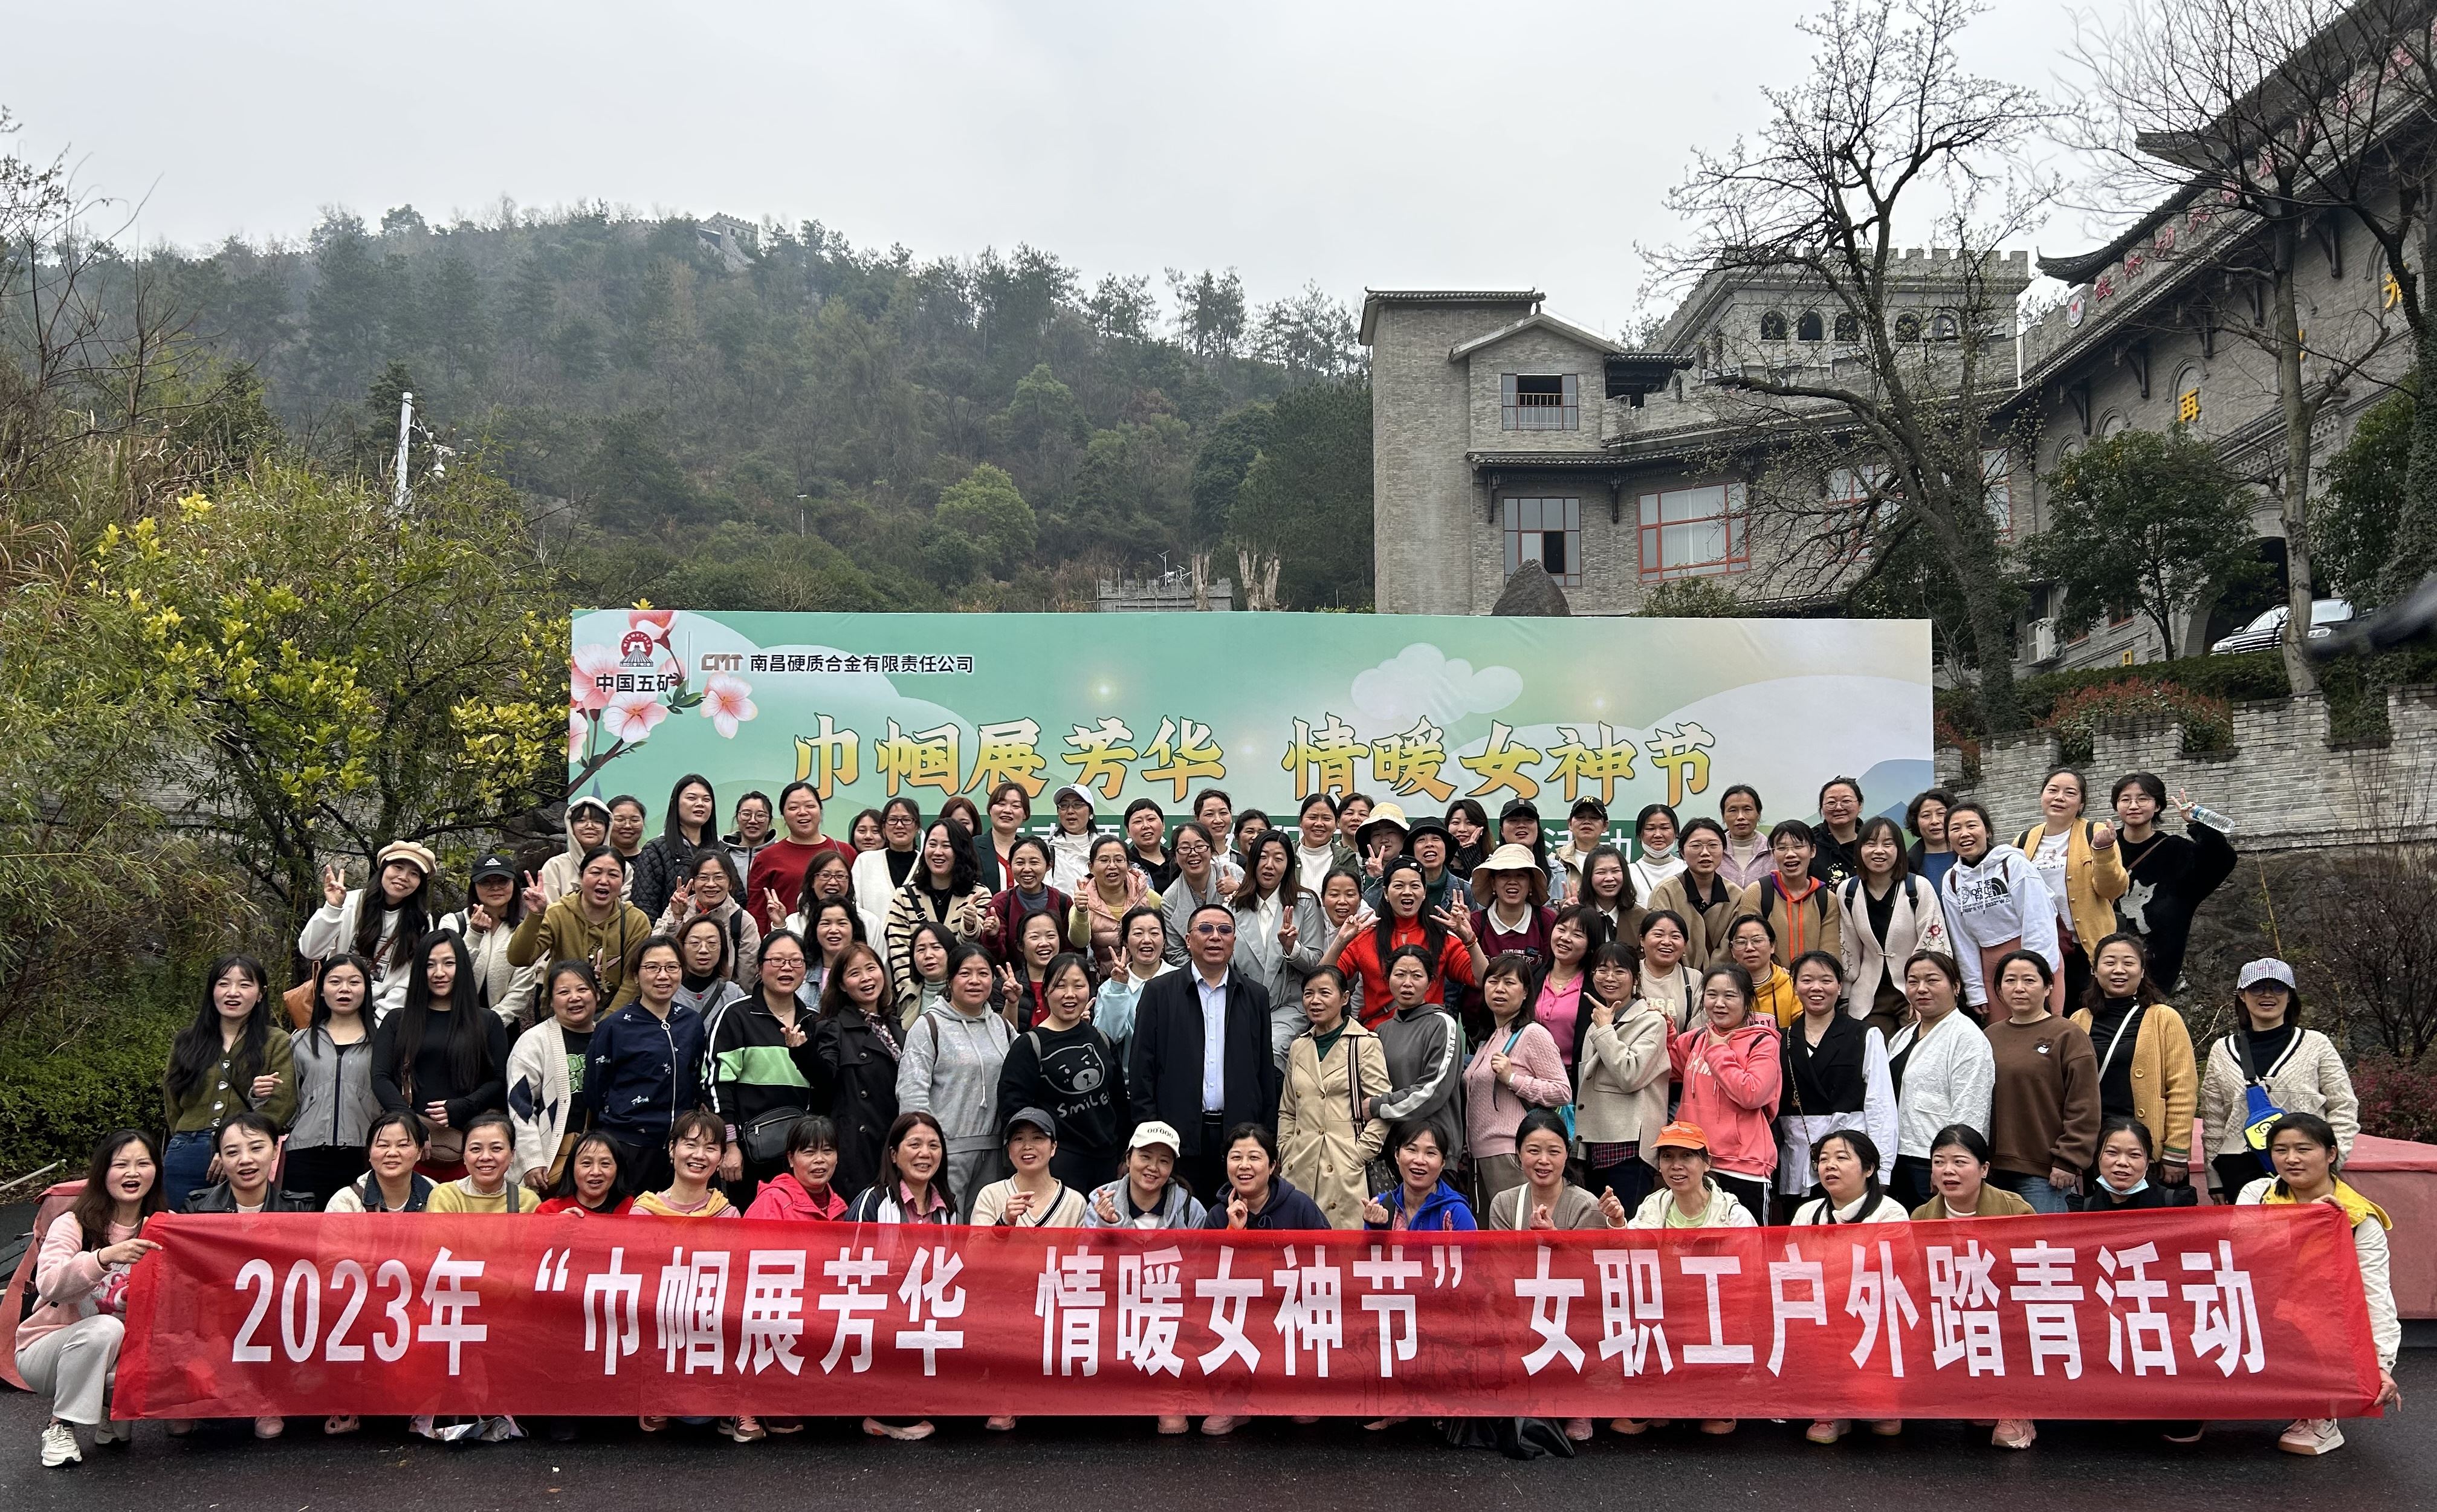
(2264, 632)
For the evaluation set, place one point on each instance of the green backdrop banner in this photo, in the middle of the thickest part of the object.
(1415, 710)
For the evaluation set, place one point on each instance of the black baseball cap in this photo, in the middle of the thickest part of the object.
(495, 864)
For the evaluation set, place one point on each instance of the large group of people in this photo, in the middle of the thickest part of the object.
(1355, 1018)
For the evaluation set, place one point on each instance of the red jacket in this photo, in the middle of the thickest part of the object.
(1731, 1090)
(779, 868)
(1004, 907)
(782, 1196)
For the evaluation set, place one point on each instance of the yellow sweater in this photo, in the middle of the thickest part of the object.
(2165, 1080)
(459, 1196)
(2094, 879)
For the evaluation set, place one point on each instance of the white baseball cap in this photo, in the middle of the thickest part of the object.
(1155, 1132)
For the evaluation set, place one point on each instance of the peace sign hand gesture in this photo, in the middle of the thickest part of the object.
(1456, 921)
(537, 896)
(334, 883)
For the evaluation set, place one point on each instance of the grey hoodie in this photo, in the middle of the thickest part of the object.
(1425, 1050)
(950, 1070)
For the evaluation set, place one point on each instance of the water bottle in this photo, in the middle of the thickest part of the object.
(2201, 815)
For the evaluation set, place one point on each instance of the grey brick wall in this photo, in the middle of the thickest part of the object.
(2282, 785)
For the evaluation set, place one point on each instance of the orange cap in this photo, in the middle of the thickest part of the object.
(1681, 1136)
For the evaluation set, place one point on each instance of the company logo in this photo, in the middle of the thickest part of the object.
(634, 648)
(724, 662)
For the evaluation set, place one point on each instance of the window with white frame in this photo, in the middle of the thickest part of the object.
(1540, 401)
(1694, 532)
(1548, 531)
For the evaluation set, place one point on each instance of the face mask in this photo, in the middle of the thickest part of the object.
(1659, 852)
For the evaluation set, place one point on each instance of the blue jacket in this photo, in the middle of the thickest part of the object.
(640, 1073)
(1444, 1209)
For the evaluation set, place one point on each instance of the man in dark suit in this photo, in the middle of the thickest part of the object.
(1200, 1057)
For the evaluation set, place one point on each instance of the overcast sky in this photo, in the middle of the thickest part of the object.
(1389, 145)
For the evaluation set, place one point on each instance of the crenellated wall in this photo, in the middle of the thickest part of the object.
(2282, 785)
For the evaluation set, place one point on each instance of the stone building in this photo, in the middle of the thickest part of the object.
(1502, 434)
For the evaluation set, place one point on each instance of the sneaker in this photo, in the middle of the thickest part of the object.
(1629, 1427)
(903, 1432)
(2014, 1432)
(1827, 1430)
(338, 1423)
(1888, 1427)
(2309, 1435)
(1001, 1424)
(1221, 1426)
(744, 1429)
(1376, 1424)
(1175, 1423)
(270, 1427)
(782, 1425)
(2185, 1433)
(1579, 1429)
(60, 1446)
(107, 1432)
(651, 1425)
(1717, 1427)
(421, 1426)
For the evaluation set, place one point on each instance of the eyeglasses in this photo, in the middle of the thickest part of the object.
(1213, 929)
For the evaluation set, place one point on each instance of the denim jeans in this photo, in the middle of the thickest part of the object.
(2036, 1190)
(183, 1165)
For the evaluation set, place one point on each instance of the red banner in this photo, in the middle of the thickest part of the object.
(2213, 1312)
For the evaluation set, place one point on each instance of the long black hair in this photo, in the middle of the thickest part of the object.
(964, 872)
(669, 823)
(1462, 858)
(413, 915)
(93, 1206)
(469, 1046)
(320, 1026)
(1248, 890)
(196, 1048)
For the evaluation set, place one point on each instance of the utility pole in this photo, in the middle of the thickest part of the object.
(405, 423)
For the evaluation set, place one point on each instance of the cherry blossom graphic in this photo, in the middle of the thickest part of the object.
(727, 702)
(654, 622)
(586, 669)
(631, 715)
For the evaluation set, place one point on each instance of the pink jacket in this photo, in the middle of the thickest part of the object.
(70, 1283)
(1731, 1090)
(783, 1197)
(1490, 1111)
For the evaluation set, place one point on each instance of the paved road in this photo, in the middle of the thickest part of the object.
(1120, 1464)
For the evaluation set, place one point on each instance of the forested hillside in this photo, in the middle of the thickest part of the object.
(708, 414)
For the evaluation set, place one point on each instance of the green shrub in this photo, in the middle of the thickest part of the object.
(65, 1082)
(2208, 724)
